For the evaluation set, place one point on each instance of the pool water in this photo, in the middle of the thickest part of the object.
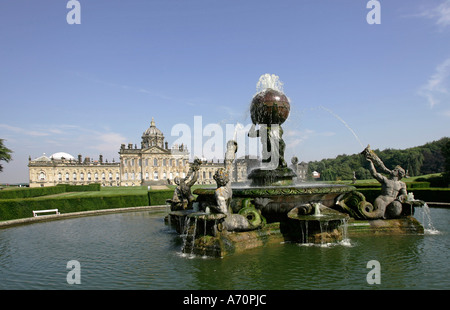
(136, 250)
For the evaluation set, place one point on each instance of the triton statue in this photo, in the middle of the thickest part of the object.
(393, 191)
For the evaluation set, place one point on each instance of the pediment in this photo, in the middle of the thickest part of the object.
(155, 150)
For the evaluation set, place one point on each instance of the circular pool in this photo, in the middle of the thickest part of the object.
(137, 250)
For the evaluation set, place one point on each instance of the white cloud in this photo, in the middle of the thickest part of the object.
(440, 14)
(67, 138)
(23, 131)
(294, 133)
(295, 142)
(107, 142)
(443, 14)
(151, 92)
(438, 84)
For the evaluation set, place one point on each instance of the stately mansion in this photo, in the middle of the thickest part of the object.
(154, 163)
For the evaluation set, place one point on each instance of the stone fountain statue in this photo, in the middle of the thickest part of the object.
(223, 195)
(222, 177)
(269, 109)
(393, 191)
(182, 196)
(393, 200)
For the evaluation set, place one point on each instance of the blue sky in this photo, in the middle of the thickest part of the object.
(86, 88)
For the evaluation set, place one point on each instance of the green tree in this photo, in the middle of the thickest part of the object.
(5, 154)
(446, 153)
(425, 159)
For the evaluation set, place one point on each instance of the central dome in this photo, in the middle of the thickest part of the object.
(152, 137)
(153, 131)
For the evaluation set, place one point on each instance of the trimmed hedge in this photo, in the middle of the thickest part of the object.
(81, 188)
(432, 194)
(21, 203)
(366, 185)
(409, 185)
(159, 197)
(21, 208)
(414, 185)
(29, 192)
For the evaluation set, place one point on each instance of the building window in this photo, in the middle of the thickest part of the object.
(146, 175)
(155, 175)
(171, 175)
(74, 176)
(67, 176)
(132, 175)
(103, 176)
(125, 176)
(164, 175)
(146, 162)
(110, 176)
(41, 176)
(155, 162)
(96, 176)
(164, 162)
(89, 176)
(117, 176)
(59, 176)
(140, 162)
(81, 176)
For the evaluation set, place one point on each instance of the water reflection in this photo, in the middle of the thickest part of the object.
(137, 250)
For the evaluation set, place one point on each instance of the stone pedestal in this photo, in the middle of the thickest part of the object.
(408, 225)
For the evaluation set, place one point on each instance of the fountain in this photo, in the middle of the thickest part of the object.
(273, 208)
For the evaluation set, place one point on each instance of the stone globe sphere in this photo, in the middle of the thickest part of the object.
(269, 107)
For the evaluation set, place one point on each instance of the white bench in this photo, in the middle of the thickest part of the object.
(35, 213)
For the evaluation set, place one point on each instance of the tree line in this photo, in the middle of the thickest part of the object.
(5, 154)
(433, 157)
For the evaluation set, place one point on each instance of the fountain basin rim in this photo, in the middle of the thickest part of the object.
(282, 190)
(321, 218)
